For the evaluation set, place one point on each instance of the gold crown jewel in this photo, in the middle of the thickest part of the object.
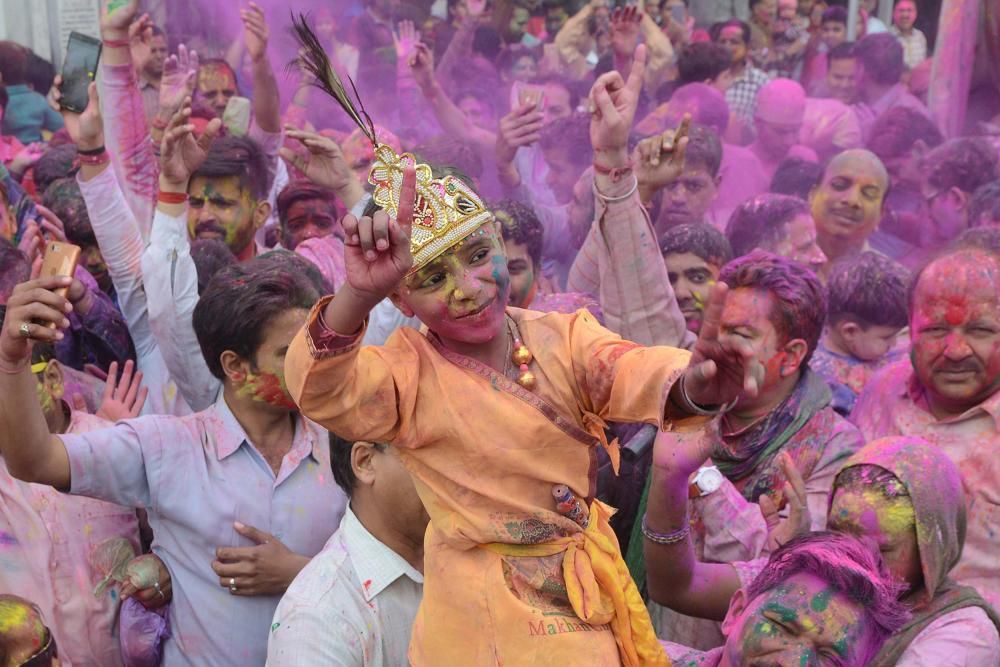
(445, 210)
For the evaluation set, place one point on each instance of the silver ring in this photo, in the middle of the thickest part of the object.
(24, 329)
(232, 584)
(159, 592)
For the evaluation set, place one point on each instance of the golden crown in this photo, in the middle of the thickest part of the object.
(445, 210)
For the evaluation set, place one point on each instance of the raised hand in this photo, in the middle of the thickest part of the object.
(85, 129)
(422, 66)
(625, 30)
(139, 34)
(521, 127)
(720, 370)
(323, 163)
(180, 153)
(779, 529)
(405, 39)
(255, 30)
(123, 398)
(116, 17)
(660, 159)
(31, 308)
(265, 569)
(180, 74)
(377, 249)
(613, 103)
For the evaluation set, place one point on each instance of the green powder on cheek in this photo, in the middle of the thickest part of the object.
(821, 600)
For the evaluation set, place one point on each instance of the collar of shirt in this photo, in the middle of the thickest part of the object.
(376, 565)
(232, 435)
(19, 89)
(914, 391)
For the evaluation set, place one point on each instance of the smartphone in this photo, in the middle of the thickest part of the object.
(60, 260)
(79, 69)
(236, 117)
(529, 94)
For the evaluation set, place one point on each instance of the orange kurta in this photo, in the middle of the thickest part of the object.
(484, 454)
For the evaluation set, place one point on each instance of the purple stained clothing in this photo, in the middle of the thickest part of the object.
(98, 337)
(741, 177)
(196, 476)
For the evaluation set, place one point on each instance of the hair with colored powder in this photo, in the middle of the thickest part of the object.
(799, 298)
(699, 239)
(796, 177)
(571, 135)
(762, 222)
(706, 105)
(447, 149)
(834, 15)
(844, 51)
(57, 162)
(286, 260)
(16, 616)
(240, 157)
(702, 62)
(964, 163)
(715, 31)
(210, 256)
(222, 64)
(871, 477)
(881, 55)
(63, 197)
(512, 53)
(852, 567)
(898, 129)
(704, 149)
(340, 462)
(985, 240)
(14, 268)
(869, 289)
(241, 301)
(984, 206)
(520, 224)
(301, 190)
(13, 63)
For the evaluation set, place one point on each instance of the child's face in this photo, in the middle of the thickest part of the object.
(462, 295)
(873, 343)
(834, 33)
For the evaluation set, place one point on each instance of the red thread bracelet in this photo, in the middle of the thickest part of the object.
(171, 197)
(93, 160)
(615, 173)
(117, 43)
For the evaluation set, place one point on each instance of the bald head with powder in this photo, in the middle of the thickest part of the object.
(781, 107)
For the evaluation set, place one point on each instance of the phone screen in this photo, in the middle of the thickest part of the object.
(79, 69)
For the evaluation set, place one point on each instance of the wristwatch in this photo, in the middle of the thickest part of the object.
(707, 480)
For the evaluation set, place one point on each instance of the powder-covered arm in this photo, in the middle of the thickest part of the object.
(171, 281)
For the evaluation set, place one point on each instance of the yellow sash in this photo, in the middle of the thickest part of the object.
(600, 588)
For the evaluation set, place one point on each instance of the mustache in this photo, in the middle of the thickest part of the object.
(968, 365)
(209, 227)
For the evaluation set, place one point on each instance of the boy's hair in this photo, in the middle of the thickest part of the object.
(520, 224)
(715, 31)
(896, 131)
(63, 197)
(13, 63)
(210, 256)
(340, 462)
(239, 303)
(843, 51)
(240, 157)
(447, 149)
(869, 289)
(301, 190)
(701, 62)
(704, 149)
(699, 239)
(799, 299)
(57, 162)
(796, 177)
(834, 15)
(762, 222)
(984, 206)
(881, 55)
(853, 568)
(571, 135)
(965, 163)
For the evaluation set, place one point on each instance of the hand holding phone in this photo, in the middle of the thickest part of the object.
(60, 260)
(83, 53)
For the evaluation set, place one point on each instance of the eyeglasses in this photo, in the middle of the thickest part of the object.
(44, 657)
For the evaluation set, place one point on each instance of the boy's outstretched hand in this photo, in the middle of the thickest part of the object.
(377, 249)
(722, 369)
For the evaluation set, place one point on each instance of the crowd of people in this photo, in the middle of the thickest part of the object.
(499, 332)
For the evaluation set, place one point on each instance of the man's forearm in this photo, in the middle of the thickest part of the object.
(25, 442)
(266, 98)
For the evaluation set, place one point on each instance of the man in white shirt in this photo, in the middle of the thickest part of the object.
(355, 602)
